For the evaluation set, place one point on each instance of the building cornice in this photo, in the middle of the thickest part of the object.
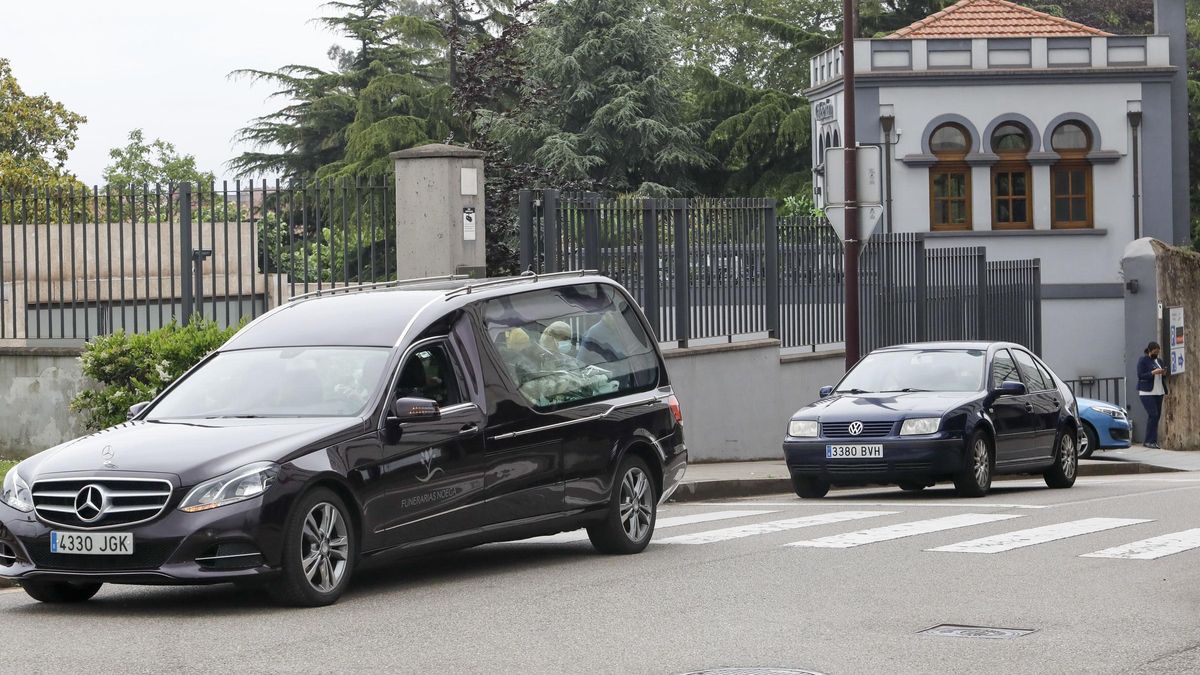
(944, 78)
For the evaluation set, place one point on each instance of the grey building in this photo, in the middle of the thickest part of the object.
(1034, 136)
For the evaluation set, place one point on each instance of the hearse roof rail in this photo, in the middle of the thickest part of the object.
(358, 288)
(524, 277)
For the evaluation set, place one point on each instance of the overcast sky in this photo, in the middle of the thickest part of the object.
(159, 66)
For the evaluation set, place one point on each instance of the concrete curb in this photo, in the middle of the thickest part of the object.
(755, 487)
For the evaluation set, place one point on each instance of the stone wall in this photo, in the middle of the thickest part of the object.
(1178, 279)
(36, 388)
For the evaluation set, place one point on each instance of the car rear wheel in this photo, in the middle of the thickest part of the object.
(629, 522)
(808, 487)
(319, 552)
(1066, 462)
(60, 592)
(1091, 442)
(974, 479)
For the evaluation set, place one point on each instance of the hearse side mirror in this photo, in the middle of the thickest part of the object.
(825, 391)
(413, 409)
(136, 409)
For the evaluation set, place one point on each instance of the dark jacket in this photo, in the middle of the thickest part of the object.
(1145, 375)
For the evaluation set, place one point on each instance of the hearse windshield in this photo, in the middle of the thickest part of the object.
(278, 382)
(916, 370)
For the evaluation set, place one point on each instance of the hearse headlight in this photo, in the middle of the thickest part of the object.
(802, 429)
(920, 426)
(16, 492)
(247, 482)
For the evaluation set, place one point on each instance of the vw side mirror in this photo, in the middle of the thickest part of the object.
(825, 391)
(136, 409)
(1011, 388)
(413, 409)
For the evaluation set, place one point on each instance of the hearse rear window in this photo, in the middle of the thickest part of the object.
(572, 345)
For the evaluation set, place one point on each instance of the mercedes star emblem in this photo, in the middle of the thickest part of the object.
(856, 428)
(89, 503)
(107, 452)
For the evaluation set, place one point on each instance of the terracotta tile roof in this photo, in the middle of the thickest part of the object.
(992, 18)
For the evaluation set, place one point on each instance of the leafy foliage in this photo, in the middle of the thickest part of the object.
(128, 369)
(36, 135)
(156, 162)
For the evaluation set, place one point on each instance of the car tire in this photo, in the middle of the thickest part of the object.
(319, 552)
(1062, 473)
(628, 523)
(974, 479)
(913, 487)
(60, 592)
(809, 487)
(1091, 441)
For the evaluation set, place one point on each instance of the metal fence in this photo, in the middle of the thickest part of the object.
(716, 268)
(1107, 389)
(75, 264)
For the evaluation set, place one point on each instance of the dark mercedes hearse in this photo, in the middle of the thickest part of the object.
(916, 414)
(421, 416)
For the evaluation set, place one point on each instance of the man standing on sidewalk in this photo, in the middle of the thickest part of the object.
(1152, 386)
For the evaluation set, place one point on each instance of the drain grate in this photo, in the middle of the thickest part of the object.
(982, 632)
(752, 671)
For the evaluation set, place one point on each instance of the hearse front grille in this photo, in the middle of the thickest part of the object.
(100, 503)
(869, 429)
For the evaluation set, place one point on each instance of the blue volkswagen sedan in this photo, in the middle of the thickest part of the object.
(917, 414)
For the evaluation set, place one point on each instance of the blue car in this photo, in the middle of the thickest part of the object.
(1105, 426)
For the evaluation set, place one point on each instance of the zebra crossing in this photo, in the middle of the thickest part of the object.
(767, 522)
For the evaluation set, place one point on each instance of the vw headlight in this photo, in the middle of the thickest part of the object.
(16, 492)
(802, 429)
(1115, 413)
(238, 486)
(920, 426)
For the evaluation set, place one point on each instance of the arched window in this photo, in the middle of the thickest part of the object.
(837, 140)
(1071, 177)
(1011, 184)
(950, 179)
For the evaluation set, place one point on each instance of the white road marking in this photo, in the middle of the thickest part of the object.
(897, 504)
(1038, 535)
(902, 530)
(675, 521)
(1155, 547)
(725, 534)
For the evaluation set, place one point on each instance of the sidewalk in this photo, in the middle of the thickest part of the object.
(727, 480)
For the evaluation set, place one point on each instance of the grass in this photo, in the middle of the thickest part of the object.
(5, 465)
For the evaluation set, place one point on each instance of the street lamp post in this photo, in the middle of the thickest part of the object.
(850, 143)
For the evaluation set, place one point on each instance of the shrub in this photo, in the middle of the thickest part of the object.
(128, 369)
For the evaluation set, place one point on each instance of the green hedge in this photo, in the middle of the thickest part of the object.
(127, 369)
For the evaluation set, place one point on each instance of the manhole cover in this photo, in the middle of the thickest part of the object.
(983, 632)
(752, 671)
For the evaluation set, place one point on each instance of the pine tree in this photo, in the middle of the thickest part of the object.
(609, 100)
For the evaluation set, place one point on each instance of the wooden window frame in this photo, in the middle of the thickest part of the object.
(1013, 168)
(1069, 165)
(948, 168)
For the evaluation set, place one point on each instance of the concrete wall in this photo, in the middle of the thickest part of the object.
(36, 388)
(1084, 337)
(737, 398)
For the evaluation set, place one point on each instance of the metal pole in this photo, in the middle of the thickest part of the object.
(185, 253)
(772, 271)
(525, 222)
(650, 266)
(850, 142)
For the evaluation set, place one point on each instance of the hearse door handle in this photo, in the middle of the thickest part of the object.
(468, 429)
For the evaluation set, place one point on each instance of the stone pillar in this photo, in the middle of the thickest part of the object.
(1139, 270)
(1170, 18)
(439, 211)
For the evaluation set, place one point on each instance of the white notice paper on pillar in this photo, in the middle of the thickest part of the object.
(468, 223)
(1176, 339)
(469, 180)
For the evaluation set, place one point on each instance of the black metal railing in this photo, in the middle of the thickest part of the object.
(80, 263)
(1107, 389)
(716, 268)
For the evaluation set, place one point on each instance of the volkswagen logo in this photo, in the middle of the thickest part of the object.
(90, 503)
(855, 428)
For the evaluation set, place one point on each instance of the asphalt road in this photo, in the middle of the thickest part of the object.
(705, 595)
